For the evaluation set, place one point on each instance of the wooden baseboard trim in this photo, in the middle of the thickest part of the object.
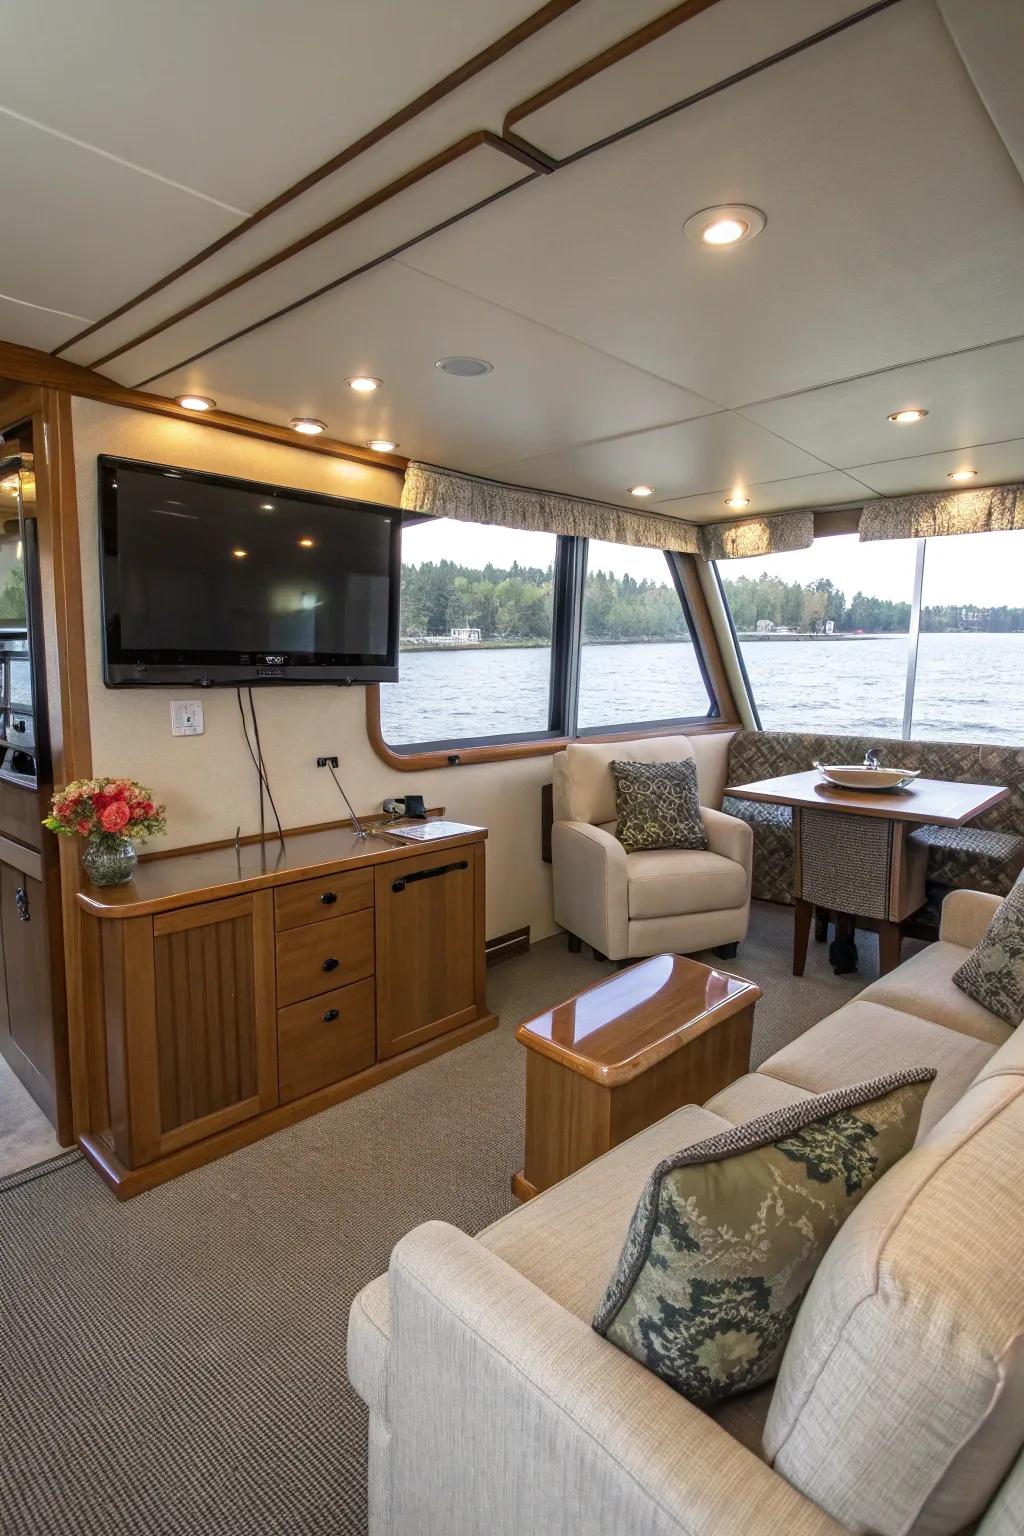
(506, 945)
(128, 1182)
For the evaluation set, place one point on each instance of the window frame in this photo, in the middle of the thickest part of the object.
(563, 700)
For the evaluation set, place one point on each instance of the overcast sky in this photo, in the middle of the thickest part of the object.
(986, 569)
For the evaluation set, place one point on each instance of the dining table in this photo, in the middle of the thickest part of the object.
(854, 856)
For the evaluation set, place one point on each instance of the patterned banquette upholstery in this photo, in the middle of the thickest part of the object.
(986, 855)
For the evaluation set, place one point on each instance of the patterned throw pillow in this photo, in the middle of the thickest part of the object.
(658, 806)
(727, 1234)
(993, 973)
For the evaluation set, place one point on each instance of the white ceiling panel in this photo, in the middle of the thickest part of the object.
(973, 397)
(83, 229)
(238, 98)
(996, 464)
(698, 53)
(479, 103)
(31, 326)
(682, 460)
(393, 323)
(447, 192)
(990, 38)
(829, 488)
(877, 167)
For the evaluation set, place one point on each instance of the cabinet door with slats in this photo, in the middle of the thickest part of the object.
(202, 1041)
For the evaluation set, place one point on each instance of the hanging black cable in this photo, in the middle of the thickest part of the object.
(264, 780)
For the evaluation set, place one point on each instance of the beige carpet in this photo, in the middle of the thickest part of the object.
(177, 1364)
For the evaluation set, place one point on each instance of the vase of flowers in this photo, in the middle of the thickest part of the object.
(109, 814)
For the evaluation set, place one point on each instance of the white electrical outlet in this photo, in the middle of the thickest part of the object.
(186, 717)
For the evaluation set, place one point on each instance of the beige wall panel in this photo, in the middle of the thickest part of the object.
(208, 781)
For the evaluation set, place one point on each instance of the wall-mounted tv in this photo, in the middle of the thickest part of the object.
(212, 581)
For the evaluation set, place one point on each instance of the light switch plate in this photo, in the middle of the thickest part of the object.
(186, 717)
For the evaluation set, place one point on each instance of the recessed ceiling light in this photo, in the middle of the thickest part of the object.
(239, 554)
(641, 490)
(363, 384)
(382, 445)
(961, 474)
(909, 414)
(726, 226)
(737, 501)
(308, 425)
(305, 543)
(195, 402)
(266, 506)
(464, 367)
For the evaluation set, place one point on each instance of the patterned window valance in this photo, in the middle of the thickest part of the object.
(444, 493)
(933, 514)
(757, 536)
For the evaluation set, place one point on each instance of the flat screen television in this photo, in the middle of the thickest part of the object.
(211, 581)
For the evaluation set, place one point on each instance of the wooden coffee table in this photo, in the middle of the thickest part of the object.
(625, 1053)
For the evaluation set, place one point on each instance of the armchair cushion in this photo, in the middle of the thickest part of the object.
(657, 805)
(674, 882)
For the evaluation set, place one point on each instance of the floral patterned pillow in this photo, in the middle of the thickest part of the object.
(658, 806)
(993, 973)
(727, 1234)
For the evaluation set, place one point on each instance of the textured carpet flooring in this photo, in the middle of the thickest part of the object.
(175, 1366)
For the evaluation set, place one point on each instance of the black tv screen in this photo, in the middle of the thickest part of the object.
(209, 580)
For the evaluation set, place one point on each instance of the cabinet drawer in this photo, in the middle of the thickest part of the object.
(325, 1039)
(314, 901)
(323, 956)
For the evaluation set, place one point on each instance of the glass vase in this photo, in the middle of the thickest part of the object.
(109, 858)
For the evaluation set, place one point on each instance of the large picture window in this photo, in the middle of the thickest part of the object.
(509, 635)
(826, 636)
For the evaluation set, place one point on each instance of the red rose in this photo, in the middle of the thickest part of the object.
(100, 801)
(115, 816)
(148, 807)
(83, 827)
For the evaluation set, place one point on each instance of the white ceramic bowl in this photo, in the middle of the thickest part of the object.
(849, 776)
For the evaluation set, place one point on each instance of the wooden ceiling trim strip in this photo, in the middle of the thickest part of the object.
(602, 61)
(337, 282)
(366, 205)
(27, 365)
(561, 87)
(505, 44)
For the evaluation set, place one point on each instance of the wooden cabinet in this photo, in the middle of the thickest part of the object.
(228, 1015)
(426, 961)
(191, 1023)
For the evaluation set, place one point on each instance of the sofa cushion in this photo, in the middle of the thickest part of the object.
(727, 1234)
(993, 973)
(754, 1094)
(656, 805)
(923, 985)
(568, 1239)
(863, 1039)
(674, 882)
(976, 857)
(900, 1400)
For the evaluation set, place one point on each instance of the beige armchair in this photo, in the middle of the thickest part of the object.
(626, 905)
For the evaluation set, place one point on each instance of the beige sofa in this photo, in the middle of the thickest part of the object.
(630, 904)
(899, 1408)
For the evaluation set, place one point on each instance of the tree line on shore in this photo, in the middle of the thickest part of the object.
(515, 603)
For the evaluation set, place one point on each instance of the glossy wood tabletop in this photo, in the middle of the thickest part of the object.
(620, 1027)
(213, 873)
(942, 802)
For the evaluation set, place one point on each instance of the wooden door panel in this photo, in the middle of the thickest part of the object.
(28, 1035)
(426, 924)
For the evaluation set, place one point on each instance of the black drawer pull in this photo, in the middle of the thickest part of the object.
(427, 874)
(330, 1016)
(328, 898)
(330, 964)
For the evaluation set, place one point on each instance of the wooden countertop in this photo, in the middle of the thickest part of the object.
(184, 880)
(941, 802)
(624, 1025)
